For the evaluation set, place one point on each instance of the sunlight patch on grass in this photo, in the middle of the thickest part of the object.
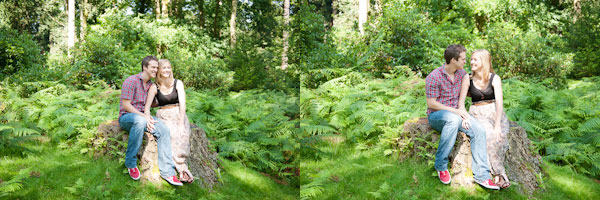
(248, 177)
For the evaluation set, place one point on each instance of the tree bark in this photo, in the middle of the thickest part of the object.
(71, 24)
(157, 8)
(165, 8)
(216, 33)
(522, 165)
(363, 9)
(232, 36)
(111, 141)
(286, 21)
(83, 19)
(201, 13)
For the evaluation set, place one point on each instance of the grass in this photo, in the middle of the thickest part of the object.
(56, 173)
(348, 172)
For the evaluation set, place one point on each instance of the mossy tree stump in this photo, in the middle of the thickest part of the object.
(522, 165)
(111, 141)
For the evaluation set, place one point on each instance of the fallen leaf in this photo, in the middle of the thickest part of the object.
(334, 178)
(34, 174)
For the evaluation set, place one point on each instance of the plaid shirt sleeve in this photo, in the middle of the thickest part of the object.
(127, 90)
(432, 86)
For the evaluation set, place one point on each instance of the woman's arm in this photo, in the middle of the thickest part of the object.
(463, 92)
(497, 84)
(181, 96)
(150, 99)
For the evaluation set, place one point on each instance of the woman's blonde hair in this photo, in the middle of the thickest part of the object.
(160, 80)
(486, 61)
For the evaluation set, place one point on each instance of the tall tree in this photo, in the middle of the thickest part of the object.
(83, 19)
(363, 9)
(216, 33)
(201, 14)
(165, 8)
(71, 24)
(286, 21)
(232, 37)
(157, 8)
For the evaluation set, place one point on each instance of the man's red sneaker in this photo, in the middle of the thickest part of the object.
(173, 181)
(134, 173)
(444, 176)
(489, 184)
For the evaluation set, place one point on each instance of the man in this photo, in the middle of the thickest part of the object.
(133, 119)
(443, 88)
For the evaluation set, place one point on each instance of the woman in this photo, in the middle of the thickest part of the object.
(170, 94)
(485, 89)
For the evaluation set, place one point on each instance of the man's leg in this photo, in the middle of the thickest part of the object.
(476, 132)
(135, 125)
(447, 124)
(165, 155)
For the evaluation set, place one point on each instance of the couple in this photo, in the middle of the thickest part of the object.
(486, 124)
(170, 126)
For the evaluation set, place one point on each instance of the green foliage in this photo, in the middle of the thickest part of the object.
(517, 53)
(256, 127)
(115, 46)
(19, 54)
(582, 36)
(15, 184)
(563, 124)
(362, 108)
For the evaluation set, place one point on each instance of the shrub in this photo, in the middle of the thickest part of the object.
(516, 53)
(19, 54)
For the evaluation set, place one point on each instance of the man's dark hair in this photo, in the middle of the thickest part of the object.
(453, 51)
(146, 60)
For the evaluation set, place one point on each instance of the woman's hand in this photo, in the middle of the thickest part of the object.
(150, 122)
(466, 124)
(497, 129)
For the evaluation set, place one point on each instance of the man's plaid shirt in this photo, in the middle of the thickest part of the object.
(134, 89)
(439, 86)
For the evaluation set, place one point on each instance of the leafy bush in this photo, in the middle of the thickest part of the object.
(516, 53)
(563, 124)
(255, 126)
(19, 54)
(114, 48)
(583, 39)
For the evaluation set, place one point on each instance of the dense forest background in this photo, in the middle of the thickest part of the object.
(363, 66)
(62, 63)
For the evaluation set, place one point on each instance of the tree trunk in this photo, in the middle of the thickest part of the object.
(216, 33)
(165, 9)
(157, 8)
(200, 13)
(286, 21)
(71, 25)
(83, 19)
(232, 37)
(363, 9)
(522, 165)
(110, 141)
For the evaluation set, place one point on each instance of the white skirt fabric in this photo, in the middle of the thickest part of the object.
(180, 138)
(497, 143)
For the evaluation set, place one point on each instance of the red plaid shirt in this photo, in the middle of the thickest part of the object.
(134, 89)
(439, 86)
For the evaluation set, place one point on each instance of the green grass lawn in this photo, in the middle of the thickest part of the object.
(55, 173)
(347, 172)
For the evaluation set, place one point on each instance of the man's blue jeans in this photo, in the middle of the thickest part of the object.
(136, 125)
(449, 123)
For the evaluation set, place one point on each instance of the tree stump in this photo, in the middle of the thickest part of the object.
(522, 165)
(111, 141)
